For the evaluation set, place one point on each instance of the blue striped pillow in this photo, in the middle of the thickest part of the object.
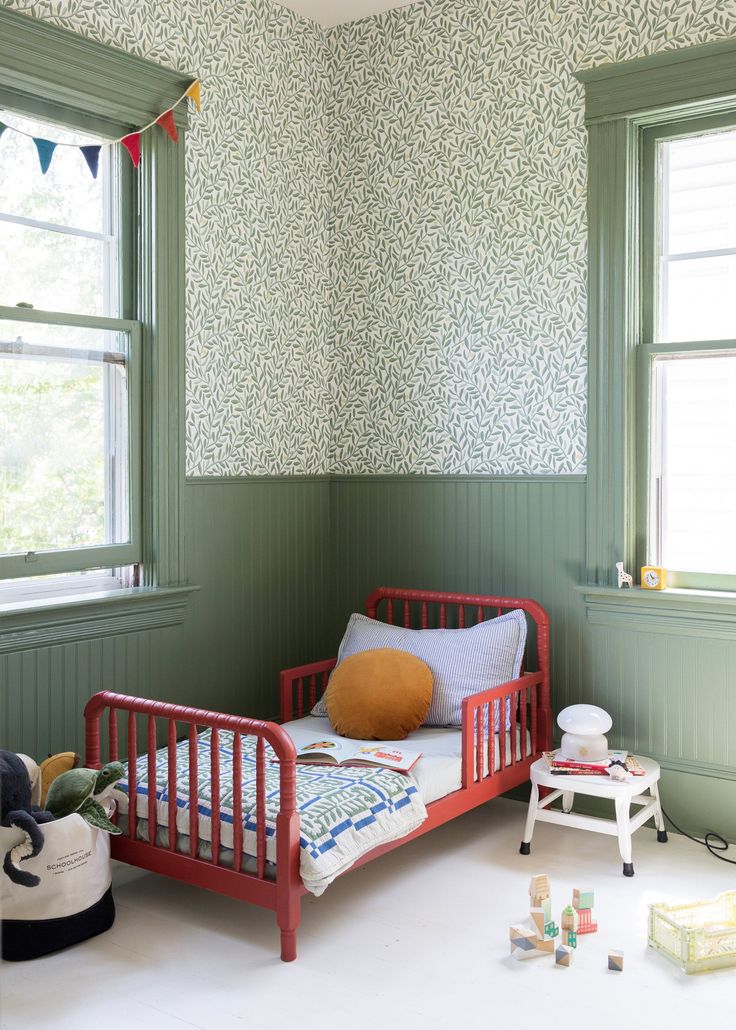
(463, 661)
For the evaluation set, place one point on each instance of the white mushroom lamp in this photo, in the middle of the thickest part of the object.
(584, 728)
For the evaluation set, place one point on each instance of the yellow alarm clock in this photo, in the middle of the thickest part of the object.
(653, 578)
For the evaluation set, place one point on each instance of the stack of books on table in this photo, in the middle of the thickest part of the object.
(560, 766)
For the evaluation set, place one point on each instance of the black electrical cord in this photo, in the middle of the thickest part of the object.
(714, 842)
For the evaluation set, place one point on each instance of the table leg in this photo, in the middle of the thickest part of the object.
(568, 796)
(658, 817)
(531, 816)
(623, 824)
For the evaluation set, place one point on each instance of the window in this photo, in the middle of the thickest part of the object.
(104, 341)
(69, 367)
(688, 361)
(662, 335)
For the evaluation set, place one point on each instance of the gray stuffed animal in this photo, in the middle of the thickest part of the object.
(16, 809)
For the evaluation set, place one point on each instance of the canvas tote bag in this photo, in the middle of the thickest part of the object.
(72, 902)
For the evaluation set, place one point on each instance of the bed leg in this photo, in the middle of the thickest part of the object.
(288, 945)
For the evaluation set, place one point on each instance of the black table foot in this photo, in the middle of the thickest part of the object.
(628, 868)
(525, 849)
(662, 836)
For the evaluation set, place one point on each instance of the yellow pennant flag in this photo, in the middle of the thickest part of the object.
(195, 94)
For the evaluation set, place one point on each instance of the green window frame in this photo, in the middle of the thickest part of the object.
(629, 107)
(58, 75)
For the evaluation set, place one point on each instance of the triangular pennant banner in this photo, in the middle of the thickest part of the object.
(195, 93)
(45, 150)
(92, 157)
(166, 121)
(132, 144)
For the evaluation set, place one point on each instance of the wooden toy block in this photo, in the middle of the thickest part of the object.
(546, 906)
(564, 955)
(551, 930)
(526, 944)
(585, 921)
(536, 917)
(616, 961)
(569, 918)
(583, 898)
(570, 938)
(539, 889)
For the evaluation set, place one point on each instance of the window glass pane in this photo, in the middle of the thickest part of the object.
(701, 193)
(52, 271)
(695, 455)
(72, 266)
(697, 205)
(700, 299)
(64, 470)
(67, 194)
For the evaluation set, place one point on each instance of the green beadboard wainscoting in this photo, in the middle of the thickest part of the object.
(671, 695)
(281, 563)
(258, 549)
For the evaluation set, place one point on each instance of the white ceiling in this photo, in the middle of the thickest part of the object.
(335, 12)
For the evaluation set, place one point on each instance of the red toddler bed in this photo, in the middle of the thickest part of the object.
(490, 766)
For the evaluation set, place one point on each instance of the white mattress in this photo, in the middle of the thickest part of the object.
(439, 771)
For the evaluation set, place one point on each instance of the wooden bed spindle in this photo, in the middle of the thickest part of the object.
(260, 809)
(112, 733)
(237, 801)
(151, 782)
(215, 794)
(171, 783)
(193, 791)
(132, 777)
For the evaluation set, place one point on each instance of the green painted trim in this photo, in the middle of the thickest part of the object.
(254, 480)
(64, 70)
(34, 624)
(695, 768)
(664, 80)
(682, 612)
(431, 477)
(612, 333)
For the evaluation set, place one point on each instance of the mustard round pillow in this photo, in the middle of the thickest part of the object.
(381, 694)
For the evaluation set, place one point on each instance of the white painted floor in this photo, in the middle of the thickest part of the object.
(418, 938)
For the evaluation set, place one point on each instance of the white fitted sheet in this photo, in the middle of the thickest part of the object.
(439, 771)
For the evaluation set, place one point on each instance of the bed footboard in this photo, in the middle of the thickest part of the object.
(167, 725)
(519, 707)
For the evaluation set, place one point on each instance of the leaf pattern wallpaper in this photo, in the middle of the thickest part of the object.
(386, 224)
(257, 372)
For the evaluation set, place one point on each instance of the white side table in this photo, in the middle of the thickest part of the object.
(630, 791)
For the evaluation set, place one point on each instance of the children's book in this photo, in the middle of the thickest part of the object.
(335, 751)
(559, 766)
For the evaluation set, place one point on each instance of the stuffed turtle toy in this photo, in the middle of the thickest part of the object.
(81, 791)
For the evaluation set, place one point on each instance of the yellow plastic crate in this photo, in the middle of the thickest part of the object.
(698, 936)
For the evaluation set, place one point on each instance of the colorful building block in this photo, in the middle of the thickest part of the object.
(583, 898)
(551, 930)
(564, 955)
(570, 938)
(526, 944)
(539, 890)
(545, 928)
(585, 921)
(569, 918)
(616, 961)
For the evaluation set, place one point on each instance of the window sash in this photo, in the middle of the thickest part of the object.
(79, 559)
(649, 513)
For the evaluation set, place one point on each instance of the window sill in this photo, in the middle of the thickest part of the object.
(61, 620)
(690, 612)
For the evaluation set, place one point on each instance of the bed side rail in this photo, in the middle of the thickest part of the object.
(303, 686)
(192, 720)
(522, 699)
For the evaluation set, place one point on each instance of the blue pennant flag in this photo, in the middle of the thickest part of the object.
(45, 150)
(92, 157)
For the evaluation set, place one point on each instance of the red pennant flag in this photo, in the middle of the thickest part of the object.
(166, 121)
(132, 144)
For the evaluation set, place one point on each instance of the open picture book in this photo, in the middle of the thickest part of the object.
(328, 750)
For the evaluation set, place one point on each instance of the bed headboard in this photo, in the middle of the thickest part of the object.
(427, 609)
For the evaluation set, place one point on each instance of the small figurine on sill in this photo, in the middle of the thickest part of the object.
(625, 579)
